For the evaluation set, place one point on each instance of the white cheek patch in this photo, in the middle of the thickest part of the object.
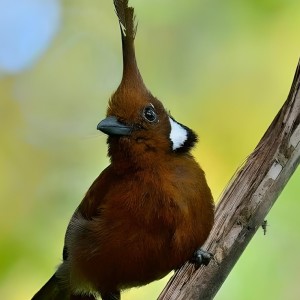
(178, 134)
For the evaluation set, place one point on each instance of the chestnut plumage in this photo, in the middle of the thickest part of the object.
(149, 210)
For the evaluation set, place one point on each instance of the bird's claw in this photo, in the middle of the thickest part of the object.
(201, 257)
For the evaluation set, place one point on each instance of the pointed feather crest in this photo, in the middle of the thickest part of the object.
(131, 74)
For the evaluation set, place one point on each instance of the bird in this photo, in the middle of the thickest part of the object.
(150, 210)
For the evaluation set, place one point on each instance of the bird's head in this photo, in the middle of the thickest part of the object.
(137, 123)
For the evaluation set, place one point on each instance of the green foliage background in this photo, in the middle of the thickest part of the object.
(223, 68)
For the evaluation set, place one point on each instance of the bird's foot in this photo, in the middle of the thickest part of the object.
(201, 257)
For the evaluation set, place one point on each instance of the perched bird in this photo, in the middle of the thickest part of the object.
(149, 210)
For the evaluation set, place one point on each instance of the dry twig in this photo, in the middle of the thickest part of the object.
(245, 203)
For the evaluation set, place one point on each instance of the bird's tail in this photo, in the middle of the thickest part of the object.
(52, 290)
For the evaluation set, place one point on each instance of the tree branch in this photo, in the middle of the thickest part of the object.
(245, 203)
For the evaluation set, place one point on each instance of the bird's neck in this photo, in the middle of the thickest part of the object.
(125, 158)
(124, 163)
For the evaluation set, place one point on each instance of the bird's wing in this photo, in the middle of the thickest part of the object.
(89, 207)
(88, 210)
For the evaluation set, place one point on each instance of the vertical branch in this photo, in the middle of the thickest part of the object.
(245, 203)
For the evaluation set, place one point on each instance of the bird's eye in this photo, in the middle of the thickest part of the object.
(149, 114)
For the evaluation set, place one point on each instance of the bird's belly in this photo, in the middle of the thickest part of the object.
(128, 261)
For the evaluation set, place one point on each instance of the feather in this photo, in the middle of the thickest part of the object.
(128, 26)
(126, 19)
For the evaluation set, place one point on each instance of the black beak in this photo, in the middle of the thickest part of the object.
(112, 126)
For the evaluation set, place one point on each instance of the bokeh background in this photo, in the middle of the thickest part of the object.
(224, 68)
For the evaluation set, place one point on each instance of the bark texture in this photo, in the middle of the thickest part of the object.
(245, 203)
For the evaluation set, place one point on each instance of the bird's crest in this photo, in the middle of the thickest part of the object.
(126, 18)
(128, 26)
